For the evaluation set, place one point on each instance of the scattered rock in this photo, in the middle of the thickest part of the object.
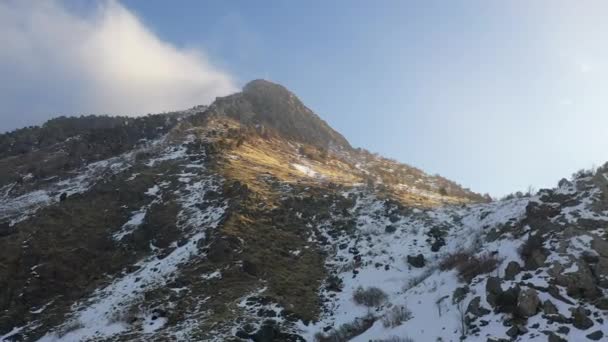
(553, 337)
(528, 303)
(580, 320)
(476, 309)
(459, 294)
(493, 289)
(542, 211)
(507, 300)
(417, 261)
(596, 335)
(390, 229)
(563, 183)
(512, 270)
(549, 308)
(601, 303)
(250, 268)
(517, 330)
(437, 244)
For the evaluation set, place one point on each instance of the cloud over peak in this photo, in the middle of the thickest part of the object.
(57, 61)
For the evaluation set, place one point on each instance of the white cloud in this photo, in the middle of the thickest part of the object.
(56, 60)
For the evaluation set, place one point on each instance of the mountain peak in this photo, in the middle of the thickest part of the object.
(259, 84)
(274, 106)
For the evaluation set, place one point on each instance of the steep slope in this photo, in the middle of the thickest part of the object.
(265, 103)
(235, 224)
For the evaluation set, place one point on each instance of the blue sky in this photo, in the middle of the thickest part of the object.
(495, 95)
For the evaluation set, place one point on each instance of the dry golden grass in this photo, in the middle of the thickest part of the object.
(258, 160)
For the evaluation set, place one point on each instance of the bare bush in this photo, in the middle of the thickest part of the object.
(370, 297)
(347, 331)
(396, 316)
(469, 265)
(453, 260)
(395, 339)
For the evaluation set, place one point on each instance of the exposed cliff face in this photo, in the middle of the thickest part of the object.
(235, 224)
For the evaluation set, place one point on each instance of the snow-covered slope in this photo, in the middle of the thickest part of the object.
(221, 227)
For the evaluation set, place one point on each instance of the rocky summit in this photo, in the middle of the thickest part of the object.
(253, 220)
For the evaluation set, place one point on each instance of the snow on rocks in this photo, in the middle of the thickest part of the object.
(101, 315)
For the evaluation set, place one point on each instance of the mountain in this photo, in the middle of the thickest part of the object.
(253, 220)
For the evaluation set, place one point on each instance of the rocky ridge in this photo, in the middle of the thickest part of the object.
(234, 223)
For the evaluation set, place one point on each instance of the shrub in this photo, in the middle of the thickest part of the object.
(396, 316)
(468, 265)
(395, 339)
(347, 331)
(453, 260)
(370, 297)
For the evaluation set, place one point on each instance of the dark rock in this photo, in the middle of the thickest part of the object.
(553, 337)
(266, 333)
(476, 309)
(549, 308)
(334, 283)
(517, 330)
(437, 244)
(558, 318)
(242, 334)
(416, 261)
(596, 335)
(459, 294)
(601, 303)
(493, 289)
(563, 330)
(390, 229)
(250, 268)
(512, 270)
(63, 197)
(6, 229)
(554, 292)
(536, 259)
(220, 251)
(580, 320)
(506, 301)
(535, 210)
(527, 303)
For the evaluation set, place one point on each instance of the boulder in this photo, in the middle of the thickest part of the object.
(517, 330)
(549, 308)
(528, 303)
(507, 300)
(596, 335)
(536, 259)
(601, 303)
(417, 261)
(512, 270)
(564, 183)
(493, 289)
(580, 320)
(542, 211)
(578, 284)
(476, 309)
(390, 229)
(553, 337)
